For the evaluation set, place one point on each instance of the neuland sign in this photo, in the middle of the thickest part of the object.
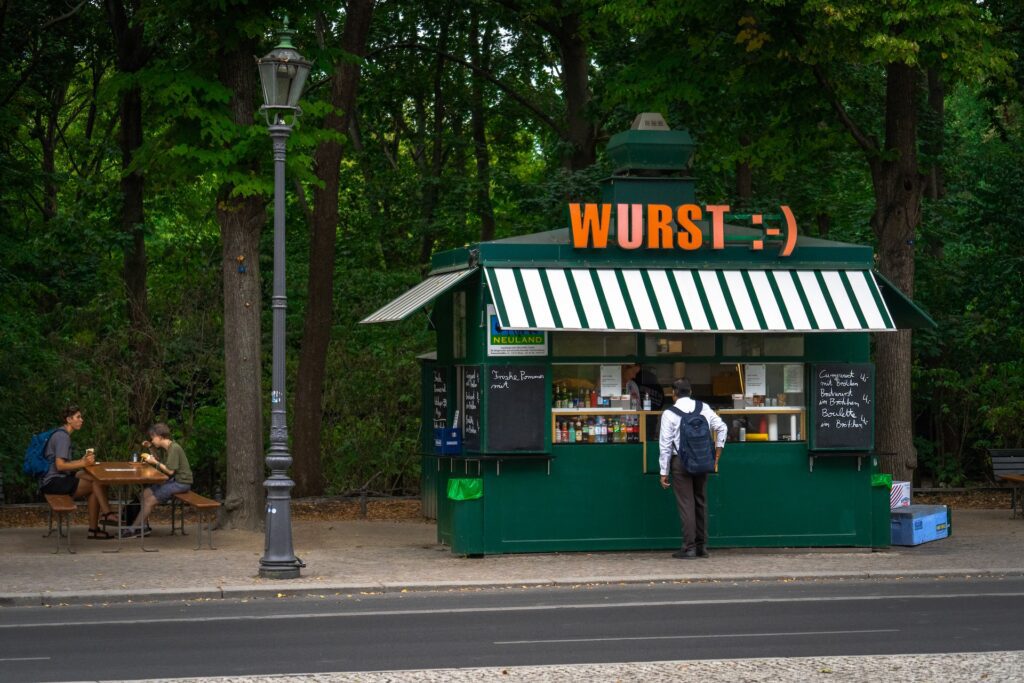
(651, 226)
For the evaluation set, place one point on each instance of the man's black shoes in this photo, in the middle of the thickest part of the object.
(702, 551)
(690, 554)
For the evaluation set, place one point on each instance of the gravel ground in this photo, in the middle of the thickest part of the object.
(990, 667)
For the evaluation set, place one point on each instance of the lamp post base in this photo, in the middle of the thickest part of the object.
(279, 571)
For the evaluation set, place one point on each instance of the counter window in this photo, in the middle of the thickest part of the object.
(763, 345)
(679, 344)
(593, 344)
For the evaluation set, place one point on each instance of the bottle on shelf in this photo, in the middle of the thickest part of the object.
(593, 398)
(647, 401)
(572, 431)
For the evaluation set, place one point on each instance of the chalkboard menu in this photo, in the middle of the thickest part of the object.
(471, 405)
(842, 405)
(516, 409)
(440, 397)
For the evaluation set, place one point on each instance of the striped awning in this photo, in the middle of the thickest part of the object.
(420, 295)
(671, 300)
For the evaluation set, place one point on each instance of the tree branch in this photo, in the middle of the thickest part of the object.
(490, 78)
(866, 142)
(67, 15)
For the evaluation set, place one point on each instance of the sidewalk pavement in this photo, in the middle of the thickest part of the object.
(366, 556)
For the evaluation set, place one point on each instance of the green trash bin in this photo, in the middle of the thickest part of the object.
(467, 496)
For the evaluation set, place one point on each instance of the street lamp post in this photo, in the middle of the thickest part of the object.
(282, 74)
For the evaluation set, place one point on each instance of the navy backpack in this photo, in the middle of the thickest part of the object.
(36, 464)
(695, 447)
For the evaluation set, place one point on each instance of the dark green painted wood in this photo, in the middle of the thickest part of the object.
(597, 498)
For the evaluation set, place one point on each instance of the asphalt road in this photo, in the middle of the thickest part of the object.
(587, 624)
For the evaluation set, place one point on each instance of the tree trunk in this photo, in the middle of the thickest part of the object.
(824, 221)
(936, 188)
(432, 184)
(481, 50)
(241, 221)
(132, 55)
(48, 143)
(575, 62)
(744, 178)
(898, 189)
(307, 419)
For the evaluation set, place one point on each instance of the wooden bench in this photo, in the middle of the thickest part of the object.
(64, 507)
(1008, 465)
(202, 505)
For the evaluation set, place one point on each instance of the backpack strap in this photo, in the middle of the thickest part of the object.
(698, 409)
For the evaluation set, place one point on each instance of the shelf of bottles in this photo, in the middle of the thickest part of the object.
(592, 426)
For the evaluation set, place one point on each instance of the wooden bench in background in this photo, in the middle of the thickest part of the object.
(203, 506)
(64, 507)
(1008, 465)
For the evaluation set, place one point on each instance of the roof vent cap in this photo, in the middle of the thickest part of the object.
(649, 120)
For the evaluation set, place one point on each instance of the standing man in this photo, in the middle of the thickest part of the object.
(690, 489)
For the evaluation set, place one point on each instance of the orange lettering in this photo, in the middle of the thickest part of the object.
(630, 232)
(717, 212)
(659, 226)
(787, 248)
(689, 236)
(589, 230)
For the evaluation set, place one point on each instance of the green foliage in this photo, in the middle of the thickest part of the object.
(735, 73)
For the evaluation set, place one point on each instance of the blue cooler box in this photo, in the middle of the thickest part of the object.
(916, 524)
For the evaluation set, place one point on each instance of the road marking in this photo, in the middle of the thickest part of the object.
(511, 608)
(695, 637)
(22, 659)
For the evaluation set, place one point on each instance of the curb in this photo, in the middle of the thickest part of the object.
(324, 590)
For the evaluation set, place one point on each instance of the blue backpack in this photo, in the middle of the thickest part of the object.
(36, 464)
(696, 448)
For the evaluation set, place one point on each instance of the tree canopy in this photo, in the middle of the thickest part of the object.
(136, 180)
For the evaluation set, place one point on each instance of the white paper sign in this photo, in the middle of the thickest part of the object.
(611, 380)
(793, 378)
(754, 379)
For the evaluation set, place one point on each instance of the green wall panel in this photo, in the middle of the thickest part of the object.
(597, 498)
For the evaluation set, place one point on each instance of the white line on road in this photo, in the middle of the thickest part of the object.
(511, 608)
(22, 659)
(704, 635)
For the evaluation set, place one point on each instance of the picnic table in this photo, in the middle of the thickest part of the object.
(126, 478)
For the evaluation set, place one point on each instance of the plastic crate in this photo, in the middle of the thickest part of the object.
(447, 441)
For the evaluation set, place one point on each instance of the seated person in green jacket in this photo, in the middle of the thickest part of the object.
(174, 464)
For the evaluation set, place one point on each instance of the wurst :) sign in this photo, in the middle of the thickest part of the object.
(660, 226)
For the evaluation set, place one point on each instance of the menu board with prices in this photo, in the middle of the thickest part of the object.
(439, 393)
(471, 406)
(842, 407)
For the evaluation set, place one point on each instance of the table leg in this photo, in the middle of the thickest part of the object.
(120, 516)
(142, 525)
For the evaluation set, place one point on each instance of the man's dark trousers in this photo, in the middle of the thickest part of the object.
(691, 500)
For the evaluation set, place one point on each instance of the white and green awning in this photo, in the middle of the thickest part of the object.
(671, 300)
(420, 295)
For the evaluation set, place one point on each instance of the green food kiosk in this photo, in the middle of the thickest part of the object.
(556, 353)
